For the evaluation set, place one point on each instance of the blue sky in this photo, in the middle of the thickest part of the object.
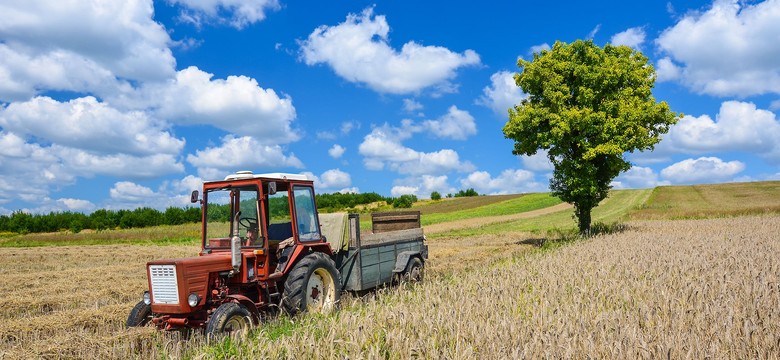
(108, 104)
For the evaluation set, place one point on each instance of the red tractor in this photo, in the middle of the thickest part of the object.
(265, 248)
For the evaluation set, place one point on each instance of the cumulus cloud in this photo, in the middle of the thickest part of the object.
(238, 13)
(702, 170)
(240, 153)
(87, 124)
(43, 48)
(359, 51)
(382, 147)
(638, 178)
(508, 182)
(455, 124)
(237, 105)
(726, 50)
(632, 37)
(537, 162)
(502, 94)
(667, 70)
(130, 195)
(739, 126)
(333, 180)
(421, 186)
(336, 151)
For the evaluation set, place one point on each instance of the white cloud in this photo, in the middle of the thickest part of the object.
(538, 48)
(593, 32)
(632, 37)
(739, 126)
(79, 205)
(85, 164)
(237, 105)
(130, 195)
(537, 162)
(130, 192)
(331, 180)
(87, 124)
(638, 178)
(702, 170)
(383, 147)
(456, 124)
(240, 153)
(411, 106)
(728, 49)
(79, 46)
(502, 94)
(667, 71)
(336, 151)
(358, 50)
(241, 12)
(348, 126)
(421, 186)
(335, 178)
(508, 182)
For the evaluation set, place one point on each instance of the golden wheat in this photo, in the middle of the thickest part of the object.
(680, 289)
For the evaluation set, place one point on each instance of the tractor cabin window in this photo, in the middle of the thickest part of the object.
(305, 214)
(222, 205)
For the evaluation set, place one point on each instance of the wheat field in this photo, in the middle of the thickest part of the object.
(680, 289)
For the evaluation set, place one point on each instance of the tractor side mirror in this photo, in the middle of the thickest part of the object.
(271, 187)
(194, 196)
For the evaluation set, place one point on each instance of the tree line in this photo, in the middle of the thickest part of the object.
(22, 223)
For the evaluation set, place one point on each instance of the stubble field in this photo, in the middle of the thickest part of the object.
(706, 288)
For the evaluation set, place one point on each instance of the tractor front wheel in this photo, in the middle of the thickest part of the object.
(229, 319)
(140, 315)
(312, 286)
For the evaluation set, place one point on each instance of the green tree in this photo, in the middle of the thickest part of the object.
(435, 196)
(587, 106)
(404, 201)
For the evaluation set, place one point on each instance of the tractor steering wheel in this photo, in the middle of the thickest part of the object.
(248, 222)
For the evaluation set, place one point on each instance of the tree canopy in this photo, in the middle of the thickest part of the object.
(587, 106)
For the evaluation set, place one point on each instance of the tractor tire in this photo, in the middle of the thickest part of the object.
(414, 270)
(313, 285)
(229, 319)
(140, 315)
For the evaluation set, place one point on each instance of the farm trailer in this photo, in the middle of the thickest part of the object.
(265, 248)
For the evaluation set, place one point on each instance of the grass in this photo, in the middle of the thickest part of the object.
(446, 205)
(707, 201)
(613, 209)
(514, 205)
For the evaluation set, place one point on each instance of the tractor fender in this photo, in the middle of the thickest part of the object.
(403, 259)
(247, 303)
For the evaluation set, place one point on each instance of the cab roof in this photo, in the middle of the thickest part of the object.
(240, 175)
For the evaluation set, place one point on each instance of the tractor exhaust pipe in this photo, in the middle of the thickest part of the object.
(235, 246)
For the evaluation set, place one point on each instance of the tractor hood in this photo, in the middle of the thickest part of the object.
(172, 281)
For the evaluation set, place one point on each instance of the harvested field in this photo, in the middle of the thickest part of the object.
(446, 205)
(684, 289)
(713, 200)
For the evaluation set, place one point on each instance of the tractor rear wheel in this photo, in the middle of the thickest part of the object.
(140, 315)
(414, 270)
(312, 286)
(229, 319)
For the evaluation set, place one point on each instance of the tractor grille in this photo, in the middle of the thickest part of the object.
(163, 278)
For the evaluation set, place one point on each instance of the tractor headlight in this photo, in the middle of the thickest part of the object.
(147, 299)
(193, 299)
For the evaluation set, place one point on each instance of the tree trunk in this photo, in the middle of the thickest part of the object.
(583, 218)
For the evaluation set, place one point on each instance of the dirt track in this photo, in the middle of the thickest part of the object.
(476, 222)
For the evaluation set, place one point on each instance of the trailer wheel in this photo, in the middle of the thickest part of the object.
(414, 270)
(229, 319)
(140, 315)
(312, 286)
